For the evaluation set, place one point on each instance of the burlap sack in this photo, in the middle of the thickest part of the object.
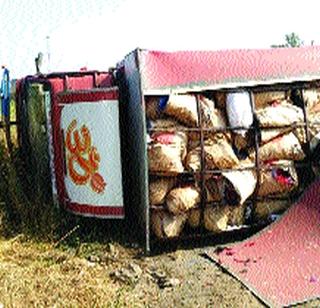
(194, 136)
(183, 108)
(193, 142)
(211, 117)
(315, 137)
(311, 97)
(219, 153)
(216, 218)
(239, 185)
(152, 109)
(263, 209)
(180, 200)
(285, 147)
(212, 186)
(159, 188)
(261, 100)
(207, 107)
(314, 124)
(194, 218)
(281, 114)
(220, 99)
(315, 109)
(236, 215)
(166, 225)
(279, 180)
(245, 141)
(213, 189)
(240, 142)
(167, 124)
(166, 152)
(216, 121)
(165, 159)
(193, 160)
(265, 99)
(269, 134)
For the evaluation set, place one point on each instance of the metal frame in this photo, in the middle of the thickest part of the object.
(252, 89)
(48, 80)
(23, 126)
(134, 132)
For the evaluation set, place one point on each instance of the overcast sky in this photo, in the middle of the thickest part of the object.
(99, 33)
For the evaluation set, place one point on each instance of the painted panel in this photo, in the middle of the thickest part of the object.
(92, 155)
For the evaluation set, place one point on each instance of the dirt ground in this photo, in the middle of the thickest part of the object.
(114, 275)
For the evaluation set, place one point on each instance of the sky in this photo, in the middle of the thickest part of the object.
(98, 33)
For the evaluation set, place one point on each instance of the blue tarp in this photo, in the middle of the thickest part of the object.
(5, 93)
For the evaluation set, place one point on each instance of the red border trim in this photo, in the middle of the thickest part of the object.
(87, 96)
(69, 97)
(102, 210)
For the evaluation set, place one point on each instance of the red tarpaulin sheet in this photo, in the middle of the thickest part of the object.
(281, 264)
(192, 70)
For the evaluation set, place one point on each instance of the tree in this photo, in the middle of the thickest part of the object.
(291, 40)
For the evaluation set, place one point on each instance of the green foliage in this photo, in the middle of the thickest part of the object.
(291, 40)
(25, 191)
(38, 160)
(23, 213)
(28, 210)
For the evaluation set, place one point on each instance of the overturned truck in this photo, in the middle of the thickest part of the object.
(211, 142)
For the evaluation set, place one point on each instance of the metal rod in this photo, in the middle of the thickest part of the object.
(251, 200)
(203, 233)
(299, 164)
(256, 145)
(203, 162)
(272, 87)
(12, 123)
(306, 128)
(227, 128)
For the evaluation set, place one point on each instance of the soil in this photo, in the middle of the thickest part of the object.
(84, 272)
(115, 275)
(203, 283)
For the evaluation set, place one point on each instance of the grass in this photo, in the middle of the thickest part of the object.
(25, 207)
(44, 252)
(13, 128)
(23, 213)
(36, 274)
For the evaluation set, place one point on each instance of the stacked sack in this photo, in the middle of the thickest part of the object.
(174, 148)
(312, 102)
(281, 140)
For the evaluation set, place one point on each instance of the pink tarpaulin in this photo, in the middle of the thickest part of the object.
(213, 69)
(281, 264)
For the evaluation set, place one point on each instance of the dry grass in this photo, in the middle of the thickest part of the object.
(35, 274)
(13, 128)
(13, 133)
